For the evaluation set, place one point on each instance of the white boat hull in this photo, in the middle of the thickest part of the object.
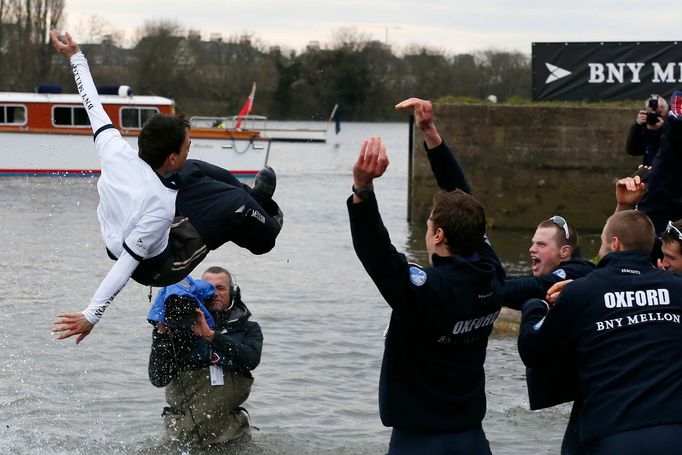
(296, 135)
(63, 154)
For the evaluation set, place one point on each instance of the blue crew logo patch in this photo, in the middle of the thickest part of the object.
(561, 273)
(417, 276)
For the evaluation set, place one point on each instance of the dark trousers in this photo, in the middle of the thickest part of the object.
(656, 440)
(571, 443)
(222, 209)
(469, 442)
(185, 251)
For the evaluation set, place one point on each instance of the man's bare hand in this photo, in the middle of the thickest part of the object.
(641, 118)
(70, 324)
(629, 191)
(555, 290)
(66, 49)
(423, 117)
(371, 163)
(201, 328)
(423, 111)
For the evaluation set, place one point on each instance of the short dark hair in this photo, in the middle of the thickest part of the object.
(216, 269)
(634, 229)
(160, 136)
(462, 219)
(560, 234)
(669, 238)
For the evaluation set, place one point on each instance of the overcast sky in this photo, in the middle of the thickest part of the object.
(451, 25)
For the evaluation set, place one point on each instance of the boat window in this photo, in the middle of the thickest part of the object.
(12, 115)
(70, 116)
(133, 117)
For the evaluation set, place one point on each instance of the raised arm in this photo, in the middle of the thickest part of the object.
(444, 165)
(629, 191)
(423, 117)
(388, 269)
(99, 120)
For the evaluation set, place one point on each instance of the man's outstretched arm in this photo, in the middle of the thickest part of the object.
(449, 175)
(99, 119)
(81, 324)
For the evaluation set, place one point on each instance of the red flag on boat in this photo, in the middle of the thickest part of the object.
(246, 109)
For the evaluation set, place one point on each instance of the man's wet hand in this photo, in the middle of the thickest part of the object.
(70, 324)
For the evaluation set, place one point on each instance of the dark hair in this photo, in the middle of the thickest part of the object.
(462, 219)
(160, 136)
(634, 229)
(560, 234)
(216, 269)
(667, 237)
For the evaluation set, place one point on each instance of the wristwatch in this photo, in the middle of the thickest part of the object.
(363, 193)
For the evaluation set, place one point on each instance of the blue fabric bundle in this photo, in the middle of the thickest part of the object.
(199, 290)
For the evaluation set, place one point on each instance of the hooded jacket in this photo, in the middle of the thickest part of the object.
(432, 377)
(236, 346)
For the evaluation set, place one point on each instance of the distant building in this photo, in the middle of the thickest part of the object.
(313, 46)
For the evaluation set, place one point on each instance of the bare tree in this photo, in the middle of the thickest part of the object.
(24, 37)
(350, 38)
(95, 29)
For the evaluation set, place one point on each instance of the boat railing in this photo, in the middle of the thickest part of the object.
(246, 122)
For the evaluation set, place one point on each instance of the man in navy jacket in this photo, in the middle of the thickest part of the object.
(555, 257)
(432, 385)
(622, 323)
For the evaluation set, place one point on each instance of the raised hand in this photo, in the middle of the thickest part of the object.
(423, 111)
(66, 49)
(372, 162)
(423, 117)
(629, 191)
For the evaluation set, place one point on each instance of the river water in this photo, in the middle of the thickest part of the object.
(316, 388)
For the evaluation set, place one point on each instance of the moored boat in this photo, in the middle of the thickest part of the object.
(259, 123)
(49, 134)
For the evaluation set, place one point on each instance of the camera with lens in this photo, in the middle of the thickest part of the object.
(652, 115)
(653, 103)
(179, 311)
(652, 118)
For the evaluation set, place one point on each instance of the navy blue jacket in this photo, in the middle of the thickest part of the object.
(236, 346)
(449, 175)
(518, 289)
(622, 323)
(662, 201)
(546, 386)
(558, 383)
(442, 317)
(222, 209)
(432, 376)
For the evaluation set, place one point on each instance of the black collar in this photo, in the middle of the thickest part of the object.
(454, 259)
(169, 180)
(632, 259)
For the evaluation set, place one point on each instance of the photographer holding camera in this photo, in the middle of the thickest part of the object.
(203, 350)
(645, 134)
